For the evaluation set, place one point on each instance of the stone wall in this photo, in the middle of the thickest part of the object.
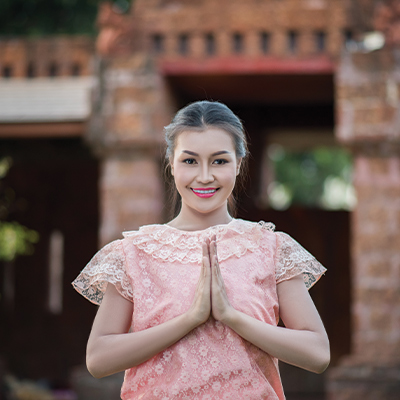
(43, 57)
(133, 102)
(368, 106)
(376, 253)
(251, 27)
(131, 105)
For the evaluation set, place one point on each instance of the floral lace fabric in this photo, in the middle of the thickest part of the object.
(107, 266)
(292, 259)
(173, 245)
(157, 268)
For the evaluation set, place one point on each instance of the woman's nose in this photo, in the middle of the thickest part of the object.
(205, 174)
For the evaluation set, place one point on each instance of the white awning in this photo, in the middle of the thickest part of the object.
(45, 99)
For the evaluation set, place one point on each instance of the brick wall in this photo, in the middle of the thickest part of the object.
(131, 194)
(132, 104)
(43, 57)
(367, 97)
(251, 27)
(376, 254)
(368, 107)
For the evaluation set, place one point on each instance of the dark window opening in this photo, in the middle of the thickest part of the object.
(183, 44)
(320, 40)
(53, 70)
(237, 42)
(265, 42)
(348, 36)
(30, 71)
(210, 44)
(76, 70)
(158, 43)
(7, 71)
(293, 41)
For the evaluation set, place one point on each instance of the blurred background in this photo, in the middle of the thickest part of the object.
(85, 90)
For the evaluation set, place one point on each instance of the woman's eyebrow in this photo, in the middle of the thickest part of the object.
(217, 153)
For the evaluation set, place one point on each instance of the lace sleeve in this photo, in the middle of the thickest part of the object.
(107, 266)
(292, 259)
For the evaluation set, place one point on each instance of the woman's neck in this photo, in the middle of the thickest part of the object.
(190, 220)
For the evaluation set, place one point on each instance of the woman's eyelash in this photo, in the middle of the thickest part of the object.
(189, 160)
(219, 161)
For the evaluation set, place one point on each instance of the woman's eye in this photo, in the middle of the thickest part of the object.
(220, 161)
(189, 161)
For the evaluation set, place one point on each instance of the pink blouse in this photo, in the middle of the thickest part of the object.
(157, 268)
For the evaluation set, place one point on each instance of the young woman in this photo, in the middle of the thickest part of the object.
(193, 305)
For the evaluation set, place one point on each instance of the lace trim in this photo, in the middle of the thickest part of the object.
(292, 259)
(169, 244)
(107, 266)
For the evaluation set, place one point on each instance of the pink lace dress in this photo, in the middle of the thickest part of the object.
(157, 268)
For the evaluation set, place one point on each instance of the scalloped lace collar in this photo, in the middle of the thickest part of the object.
(170, 244)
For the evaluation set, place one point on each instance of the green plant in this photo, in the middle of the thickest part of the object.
(15, 239)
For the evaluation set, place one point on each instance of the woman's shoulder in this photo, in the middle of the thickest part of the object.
(250, 229)
(266, 225)
(144, 230)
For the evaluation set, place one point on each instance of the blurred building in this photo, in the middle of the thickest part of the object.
(83, 122)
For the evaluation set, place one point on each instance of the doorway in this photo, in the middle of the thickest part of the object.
(304, 106)
(45, 325)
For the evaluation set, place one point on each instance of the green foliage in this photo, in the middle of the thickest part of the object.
(47, 17)
(7, 195)
(316, 178)
(15, 239)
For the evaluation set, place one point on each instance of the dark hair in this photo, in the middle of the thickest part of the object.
(199, 116)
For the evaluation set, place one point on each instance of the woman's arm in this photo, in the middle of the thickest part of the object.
(112, 349)
(303, 342)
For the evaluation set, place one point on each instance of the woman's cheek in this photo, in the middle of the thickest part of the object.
(183, 179)
(230, 177)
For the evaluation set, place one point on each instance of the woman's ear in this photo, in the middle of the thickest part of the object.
(239, 163)
(172, 167)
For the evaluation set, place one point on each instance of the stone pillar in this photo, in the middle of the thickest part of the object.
(131, 106)
(131, 193)
(368, 106)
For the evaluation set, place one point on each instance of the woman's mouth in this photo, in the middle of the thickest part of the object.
(204, 192)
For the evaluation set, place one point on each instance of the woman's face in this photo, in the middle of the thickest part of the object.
(205, 169)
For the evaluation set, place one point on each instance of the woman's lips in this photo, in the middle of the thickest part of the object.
(204, 192)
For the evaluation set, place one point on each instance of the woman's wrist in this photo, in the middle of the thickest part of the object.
(192, 319)
(230, 317)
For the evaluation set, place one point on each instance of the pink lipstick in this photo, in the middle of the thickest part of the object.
(204, 192)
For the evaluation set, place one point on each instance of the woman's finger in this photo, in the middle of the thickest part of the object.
(201, 304)
(206, 258)
(214, 259)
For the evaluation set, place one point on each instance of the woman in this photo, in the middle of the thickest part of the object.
(193, 305)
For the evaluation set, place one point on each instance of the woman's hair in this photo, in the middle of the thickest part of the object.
(199, 116)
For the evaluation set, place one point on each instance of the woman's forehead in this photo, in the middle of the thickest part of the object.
(209, 140)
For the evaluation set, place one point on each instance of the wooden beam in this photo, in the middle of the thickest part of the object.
(42, 130)
(322, 64)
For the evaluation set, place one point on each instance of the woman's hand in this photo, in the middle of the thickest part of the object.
(220, 305)
(210, 296)
(303, 342)
(200, 309)
(111, 349)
